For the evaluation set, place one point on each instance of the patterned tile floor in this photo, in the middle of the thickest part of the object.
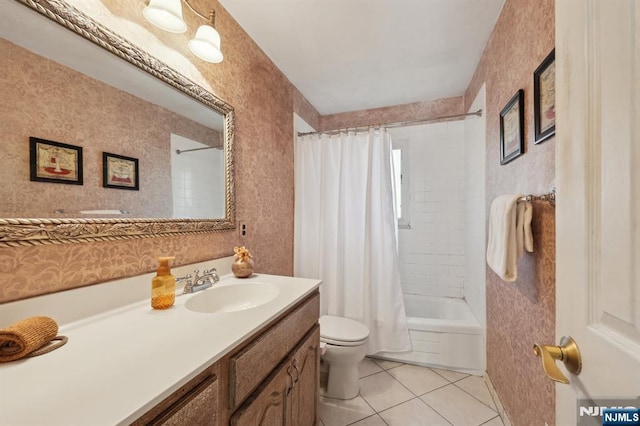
(396, 394)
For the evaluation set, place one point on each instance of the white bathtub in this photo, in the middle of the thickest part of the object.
(444, 334)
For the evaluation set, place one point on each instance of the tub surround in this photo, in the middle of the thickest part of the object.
(122, 360)
(432, 251)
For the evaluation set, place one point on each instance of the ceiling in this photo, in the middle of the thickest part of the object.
(350, 55)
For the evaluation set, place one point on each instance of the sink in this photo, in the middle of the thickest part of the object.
(232, 298)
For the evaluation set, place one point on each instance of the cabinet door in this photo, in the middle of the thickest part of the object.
(252, 365)
(306, 372)
(198, 407)
(269, 405)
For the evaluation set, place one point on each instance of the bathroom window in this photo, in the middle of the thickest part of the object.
(401, 190)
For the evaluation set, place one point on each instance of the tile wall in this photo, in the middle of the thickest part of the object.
(432, 251)
(197, 179)
(475, 210)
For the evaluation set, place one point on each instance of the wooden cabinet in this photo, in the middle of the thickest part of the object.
(306, 368)
(290, 395)
(270, 379)
(269, 404)
(199, 407)
(195, 403)
(251, 365)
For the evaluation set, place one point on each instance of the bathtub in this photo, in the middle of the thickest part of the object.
(444, 334)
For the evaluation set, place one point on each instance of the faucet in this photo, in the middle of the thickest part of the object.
(199, 282)
(187, 279)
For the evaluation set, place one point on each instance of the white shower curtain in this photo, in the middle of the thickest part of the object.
(345, 231)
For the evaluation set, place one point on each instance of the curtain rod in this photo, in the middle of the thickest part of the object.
(396, 124)
(180, 151)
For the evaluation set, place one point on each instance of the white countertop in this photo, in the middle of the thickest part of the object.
(120, 363)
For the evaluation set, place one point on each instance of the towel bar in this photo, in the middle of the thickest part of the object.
(550, 197)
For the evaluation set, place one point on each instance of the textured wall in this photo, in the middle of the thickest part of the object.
(59, 104)
(264, 101)
(520, 313)
(392, 114)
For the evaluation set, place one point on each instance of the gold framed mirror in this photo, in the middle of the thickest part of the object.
(37, 211)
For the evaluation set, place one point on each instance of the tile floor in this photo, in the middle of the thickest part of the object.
(396, 394)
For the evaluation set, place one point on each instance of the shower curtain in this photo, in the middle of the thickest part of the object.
(345, 231)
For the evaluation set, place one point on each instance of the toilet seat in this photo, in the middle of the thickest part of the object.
(341, 343)
(341, 331)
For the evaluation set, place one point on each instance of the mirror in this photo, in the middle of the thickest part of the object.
(104, 143)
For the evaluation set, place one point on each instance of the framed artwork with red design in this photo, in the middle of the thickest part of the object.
(55, 162)
(120, 172)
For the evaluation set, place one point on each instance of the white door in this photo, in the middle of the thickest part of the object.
(598, 207)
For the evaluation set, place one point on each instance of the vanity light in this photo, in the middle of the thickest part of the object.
(167, 15)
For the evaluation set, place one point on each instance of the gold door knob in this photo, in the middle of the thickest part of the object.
(567, 352)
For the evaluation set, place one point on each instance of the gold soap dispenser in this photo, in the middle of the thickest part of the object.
(163, 285)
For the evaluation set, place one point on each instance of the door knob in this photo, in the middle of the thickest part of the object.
(566, 352)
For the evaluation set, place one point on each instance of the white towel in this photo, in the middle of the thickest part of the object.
(509, 235)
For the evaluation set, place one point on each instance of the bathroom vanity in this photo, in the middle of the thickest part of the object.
(270, 378)
(133, 365)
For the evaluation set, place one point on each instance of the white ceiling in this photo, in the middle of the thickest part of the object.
(349, 55)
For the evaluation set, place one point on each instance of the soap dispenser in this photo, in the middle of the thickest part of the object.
(163, 285)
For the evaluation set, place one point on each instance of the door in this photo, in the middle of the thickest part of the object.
(306, 364)
(269, 405)
(598, 207)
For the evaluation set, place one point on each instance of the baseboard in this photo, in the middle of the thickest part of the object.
(496, 400)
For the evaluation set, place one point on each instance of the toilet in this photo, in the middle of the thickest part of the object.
(344, 345)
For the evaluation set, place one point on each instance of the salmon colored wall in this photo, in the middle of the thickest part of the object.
(264, 102)
(520, 313)
(393, 114)
(56, 103)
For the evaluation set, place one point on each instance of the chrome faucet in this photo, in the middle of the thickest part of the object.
(199, 282)
(187, 279)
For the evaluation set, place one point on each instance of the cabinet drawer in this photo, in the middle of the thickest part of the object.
(249, 367)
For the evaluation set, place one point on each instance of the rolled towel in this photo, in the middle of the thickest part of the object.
(20, 339)
(528, 234)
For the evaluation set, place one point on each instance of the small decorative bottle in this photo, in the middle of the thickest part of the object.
(242, 265)
(163, 286)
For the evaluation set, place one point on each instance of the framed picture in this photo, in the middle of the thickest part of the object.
(120, 172)
(55, 162)
(544, 98)
(512, 129)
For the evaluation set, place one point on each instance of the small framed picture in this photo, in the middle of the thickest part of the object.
(544, 98)
(55, 162)
(512, 128)
(120, 172)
